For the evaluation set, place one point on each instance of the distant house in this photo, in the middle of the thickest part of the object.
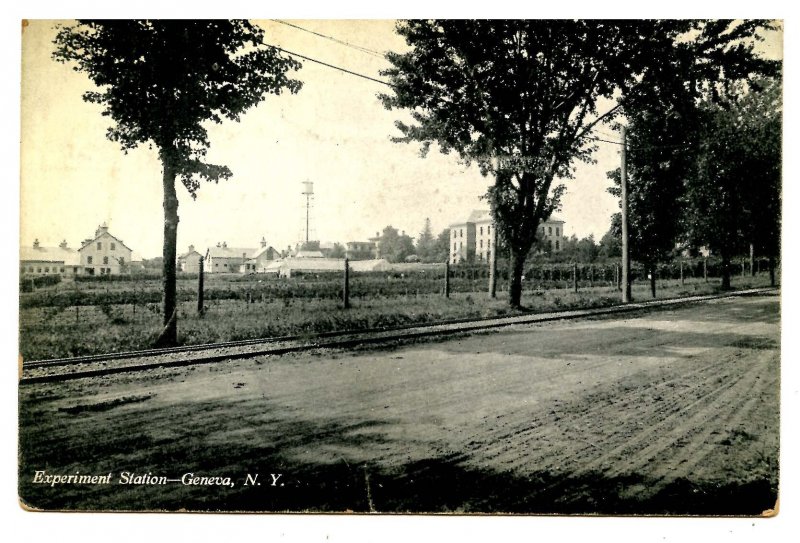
(361, 250)
(471, 240)
(189, 261)
(38, 260)
(262, 258)
(224, 259)
(104, 254)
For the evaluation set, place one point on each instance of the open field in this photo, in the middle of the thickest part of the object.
(100, 325)
(670, 412)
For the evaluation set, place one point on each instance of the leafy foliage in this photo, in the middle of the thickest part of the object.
(518, 97)
(159, 81)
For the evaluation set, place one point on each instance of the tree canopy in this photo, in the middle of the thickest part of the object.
(519, 97)
(160, 82)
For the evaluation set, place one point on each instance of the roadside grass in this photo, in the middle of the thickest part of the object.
(63, 331)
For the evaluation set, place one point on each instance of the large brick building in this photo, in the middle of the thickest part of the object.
(471, 240)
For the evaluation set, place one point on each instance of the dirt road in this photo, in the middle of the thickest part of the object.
(669, 412)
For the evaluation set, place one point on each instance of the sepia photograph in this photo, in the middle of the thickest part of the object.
(419, 266)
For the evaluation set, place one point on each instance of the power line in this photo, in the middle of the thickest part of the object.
(331, 38)
(641, 147)
(345, 70)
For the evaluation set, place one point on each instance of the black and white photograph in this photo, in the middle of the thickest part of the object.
(420, 266)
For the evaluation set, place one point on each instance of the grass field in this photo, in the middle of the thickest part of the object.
(78, 319)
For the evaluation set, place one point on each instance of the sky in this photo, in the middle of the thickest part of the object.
(334, 133)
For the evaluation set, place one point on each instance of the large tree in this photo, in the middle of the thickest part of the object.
(161, 82)
(394, 246)
(659, 161)
(734, 195)
(519, 97)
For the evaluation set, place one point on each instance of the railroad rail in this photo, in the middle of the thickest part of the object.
(61, 369)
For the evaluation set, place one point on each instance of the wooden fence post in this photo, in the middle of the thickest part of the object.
(705, 269)
(575, 276)
(346, 287)
(447, 279)
(682, 282)
(200, 294)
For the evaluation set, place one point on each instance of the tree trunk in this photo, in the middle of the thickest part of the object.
(771, 271)
(515, 288)
(169, 335)
(726, 272)
(653, 280)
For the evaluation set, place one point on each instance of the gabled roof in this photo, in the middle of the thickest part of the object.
(553, 218)
(189, 253)
(70, 257)
(90, 241)
(262, 250)
(230, 252)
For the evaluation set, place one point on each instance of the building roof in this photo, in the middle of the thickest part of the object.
(230, 252)
(553, 218)
(187, 254)
(309, 254)
(88, 242)
(70, 257)
(261, 251)
(480, 215)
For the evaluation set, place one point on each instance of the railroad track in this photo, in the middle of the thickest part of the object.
(60, 369)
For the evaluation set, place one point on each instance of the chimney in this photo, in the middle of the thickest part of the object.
(191, 248)
(403, 233)
(224, 244)
(263, 242)
(63, 244)
(36, 243)
(102, 229)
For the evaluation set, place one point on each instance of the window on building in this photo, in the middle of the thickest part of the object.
(550, 230)
(30, 269)
(460, 245)
(557, 232)
(481, 230)
(489, 229)
(551, 244)
(480, 257)
(488, 244)
(480, 244)
(113, 246)
(105, 260)
(62, 270)
(99, 245)
(454, 246)
(122, 260)
(88, 259)
(557, 245)
(38, 270)
(461, 232)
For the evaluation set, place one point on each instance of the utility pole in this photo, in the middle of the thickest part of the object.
(626, 263)
(493, 264)
(200, 302)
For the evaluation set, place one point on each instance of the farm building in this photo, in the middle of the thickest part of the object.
(38, 260)
(361, 250)
(224, 259)
(471, 240)
(189, 261)
(105, 254)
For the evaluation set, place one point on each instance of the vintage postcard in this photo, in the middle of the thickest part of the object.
(375, 266)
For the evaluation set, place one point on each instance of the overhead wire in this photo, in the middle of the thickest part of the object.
(331, 38)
